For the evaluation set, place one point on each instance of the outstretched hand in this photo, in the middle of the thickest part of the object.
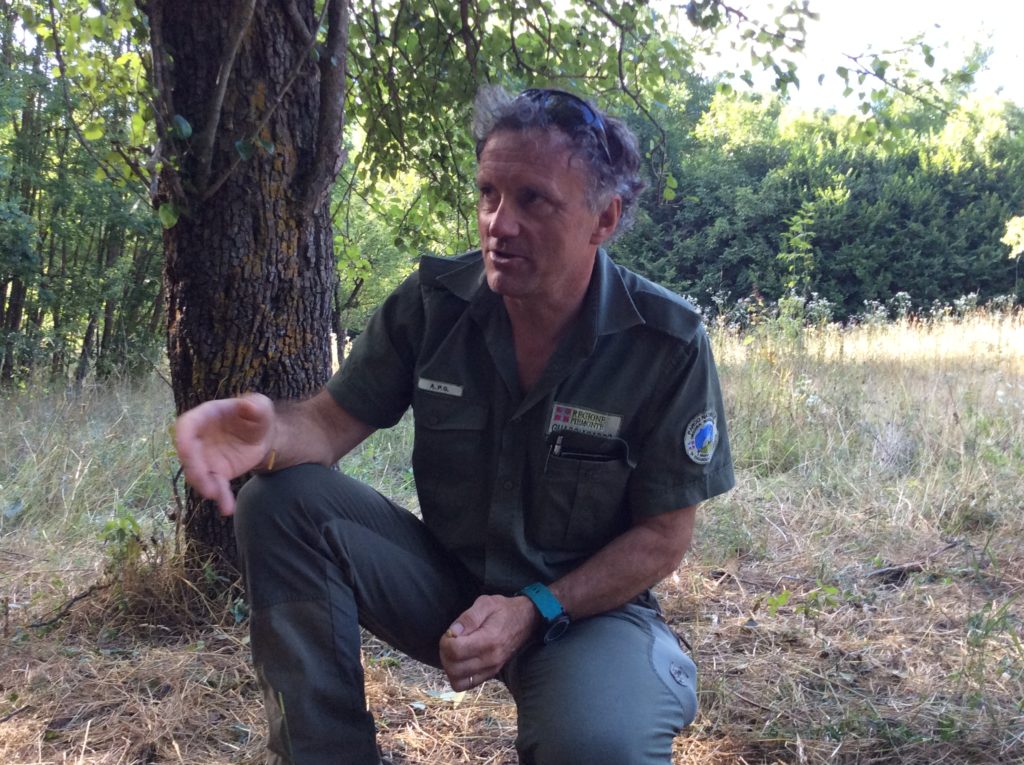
(485, 637)
(220, 440)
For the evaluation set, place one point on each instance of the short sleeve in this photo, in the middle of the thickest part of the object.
(685, 458)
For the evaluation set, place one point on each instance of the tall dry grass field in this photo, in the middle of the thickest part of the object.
(856, 599)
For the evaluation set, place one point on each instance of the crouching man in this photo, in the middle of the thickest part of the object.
(568, 421)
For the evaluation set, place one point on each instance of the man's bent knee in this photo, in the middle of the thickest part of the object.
(266, 502)
(278, 541)
(608, 744)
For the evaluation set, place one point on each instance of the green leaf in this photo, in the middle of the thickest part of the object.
(244, 148)
(181, 127)
(138, 129)
(268, 146)
(668, 194)
(168, 213)
(93, 131)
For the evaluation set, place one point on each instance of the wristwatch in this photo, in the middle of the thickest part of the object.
(556, 620)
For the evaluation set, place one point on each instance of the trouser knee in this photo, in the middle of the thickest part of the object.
(616, 689)
(604, 744)
(278, 537)
(265, 504)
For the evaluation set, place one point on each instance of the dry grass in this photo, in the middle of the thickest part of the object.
(856, 599)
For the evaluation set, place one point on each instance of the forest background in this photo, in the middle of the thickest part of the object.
(856, 599)
(911, 195)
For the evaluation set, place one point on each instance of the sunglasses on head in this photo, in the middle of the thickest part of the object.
(570, 113)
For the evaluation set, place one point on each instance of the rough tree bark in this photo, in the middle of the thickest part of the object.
(250, 274)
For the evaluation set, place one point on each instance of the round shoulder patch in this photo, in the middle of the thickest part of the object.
(701, 437)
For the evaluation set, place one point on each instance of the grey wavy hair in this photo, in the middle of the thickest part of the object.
(495, 109)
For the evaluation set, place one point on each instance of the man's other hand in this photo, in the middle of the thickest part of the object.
(485, 637)
(220, 440)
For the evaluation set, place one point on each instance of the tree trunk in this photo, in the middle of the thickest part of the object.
(249, 271)
(12, 325)
(4, 286)
(82, 370)
(114, 249)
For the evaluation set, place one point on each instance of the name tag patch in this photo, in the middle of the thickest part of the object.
(579, 420)
(701, 437)
(436, 386)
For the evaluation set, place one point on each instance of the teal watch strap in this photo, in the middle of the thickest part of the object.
(544, 600)
(556, 620)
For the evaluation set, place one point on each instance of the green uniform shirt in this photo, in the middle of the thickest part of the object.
(626, 421)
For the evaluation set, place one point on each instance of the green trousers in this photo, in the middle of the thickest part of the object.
(323, 554)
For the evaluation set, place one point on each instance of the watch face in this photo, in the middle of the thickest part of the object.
(556, 629)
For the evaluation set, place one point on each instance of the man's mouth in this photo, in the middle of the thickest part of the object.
(502, 256)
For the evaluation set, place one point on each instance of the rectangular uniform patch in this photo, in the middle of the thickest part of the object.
(579, 420)
(434, 386)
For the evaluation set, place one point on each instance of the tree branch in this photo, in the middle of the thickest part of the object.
(208, 135)
(63, 610)
(111, 173)
(471, 43)
(329, 155)
(164, 106)
(297, 22)
(868, 71)
(301, 61)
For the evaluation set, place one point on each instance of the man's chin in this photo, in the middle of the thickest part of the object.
(507, 285)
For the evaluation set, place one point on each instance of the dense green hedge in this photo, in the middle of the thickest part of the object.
(764, 204)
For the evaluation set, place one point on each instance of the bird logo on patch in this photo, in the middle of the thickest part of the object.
(701, 437)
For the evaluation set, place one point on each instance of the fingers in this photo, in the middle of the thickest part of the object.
(472, 619)
(466, 675)
(219, 440)
(225, 499)
(212, 486)
(474, 648)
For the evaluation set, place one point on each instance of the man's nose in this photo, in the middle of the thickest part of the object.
(503, 223)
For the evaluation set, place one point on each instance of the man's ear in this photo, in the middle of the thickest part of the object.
(607, 221)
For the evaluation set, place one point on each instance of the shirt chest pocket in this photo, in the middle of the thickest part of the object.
(581, 502)
(449, 458)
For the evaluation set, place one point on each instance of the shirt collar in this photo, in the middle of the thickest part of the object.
(467, 280)
(607, 307)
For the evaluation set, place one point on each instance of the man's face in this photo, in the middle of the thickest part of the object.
(537, 233)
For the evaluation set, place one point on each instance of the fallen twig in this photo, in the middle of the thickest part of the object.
(15, 713)
(898, 573)
(66, 608)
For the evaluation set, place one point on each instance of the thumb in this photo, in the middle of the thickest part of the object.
(467, 623)
(455, 629)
